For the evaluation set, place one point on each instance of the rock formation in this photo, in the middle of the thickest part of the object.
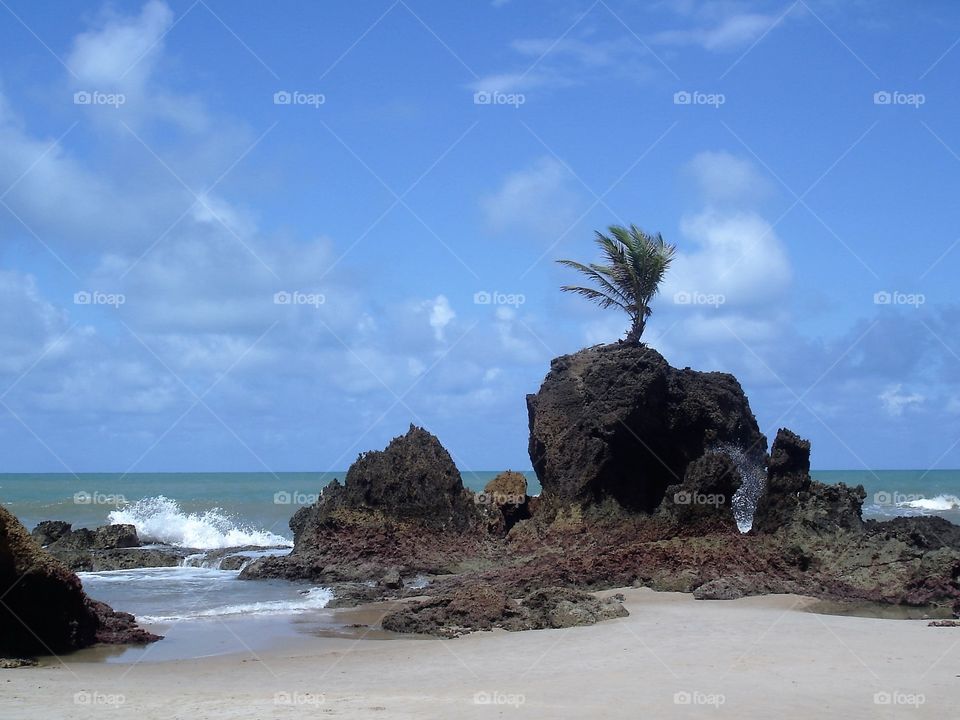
(486, 608)
(403, 508)
(616, 421)
(44, 608)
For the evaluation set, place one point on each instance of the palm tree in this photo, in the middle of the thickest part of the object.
(636, 265)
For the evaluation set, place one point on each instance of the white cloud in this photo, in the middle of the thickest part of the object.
(895, 401)
(29, 325)
(441, 315)
(723, 177)
(123, 52)
(731, 32)
(537, 199)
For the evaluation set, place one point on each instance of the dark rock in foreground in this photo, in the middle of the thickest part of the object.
(616, 421)
(485, 608)
(402, 509)
(44, 608)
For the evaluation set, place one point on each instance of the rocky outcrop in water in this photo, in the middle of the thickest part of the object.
(616, 421)
(504, 502)
(44, 608)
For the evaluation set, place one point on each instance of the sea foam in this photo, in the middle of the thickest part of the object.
(313, 599)
(160, 519)
(938, 503)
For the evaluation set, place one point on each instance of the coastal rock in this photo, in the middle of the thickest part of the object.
(706, 493)
(44, 608)
(505, 502)
(113, 537)
(49, 531)
(791, 496)
(402, 507)
(617, 421)
(481, 607)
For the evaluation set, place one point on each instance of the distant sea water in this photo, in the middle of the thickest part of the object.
(217, 510)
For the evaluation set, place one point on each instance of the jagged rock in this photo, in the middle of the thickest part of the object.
(113, 537)
(504, 502)
(791, 496)
(414, 478)
(706, 492)
(482, 607)
(50, 531)
(44, 608)
(404, 506)
(617, 421)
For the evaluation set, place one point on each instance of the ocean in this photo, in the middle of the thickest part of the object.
(217, 510)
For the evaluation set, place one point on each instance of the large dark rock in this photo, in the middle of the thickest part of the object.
(617, 421)
(414, 478)
(44, 608)
(706, 493)
(402, 508)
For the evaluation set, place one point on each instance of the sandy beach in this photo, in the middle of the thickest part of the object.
(672, 657)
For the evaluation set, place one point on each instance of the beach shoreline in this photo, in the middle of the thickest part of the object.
(674, 656)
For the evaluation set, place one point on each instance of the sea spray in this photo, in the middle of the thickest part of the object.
(160, 519)
(753, 476)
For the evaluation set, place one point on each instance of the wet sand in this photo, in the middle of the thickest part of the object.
(673, 657)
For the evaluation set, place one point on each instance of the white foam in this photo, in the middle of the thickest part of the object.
(313, 599)
(939, 503)
(160, 519)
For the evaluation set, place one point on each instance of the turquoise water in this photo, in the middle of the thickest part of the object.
(249, 502)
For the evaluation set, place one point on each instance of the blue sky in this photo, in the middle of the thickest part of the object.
(157, 193)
